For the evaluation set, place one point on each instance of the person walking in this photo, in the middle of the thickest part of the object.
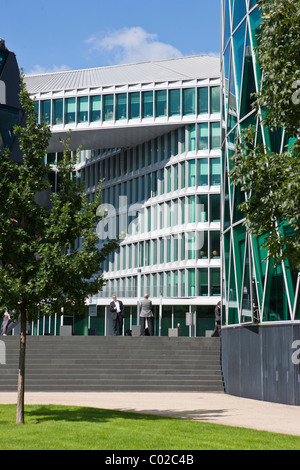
(146, 314)
(117, 312)
(217, 330)
(5, 323)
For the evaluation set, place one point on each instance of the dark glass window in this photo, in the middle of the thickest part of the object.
(161, 103)
(188, 101)
(174, 102)
(134, 105)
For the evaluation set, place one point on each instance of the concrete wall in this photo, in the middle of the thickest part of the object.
(262, 362)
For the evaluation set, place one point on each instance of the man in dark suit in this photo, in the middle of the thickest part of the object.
(117, 313)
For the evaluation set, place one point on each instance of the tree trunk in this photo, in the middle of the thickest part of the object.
(21, 376)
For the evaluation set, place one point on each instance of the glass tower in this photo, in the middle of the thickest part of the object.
(254, 290)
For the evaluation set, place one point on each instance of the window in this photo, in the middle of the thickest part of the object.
(121, 103)
(82, 109)
(215, 135)
(161, 103)
(203, 207)
(192, 172)
(108, 103)
(215, 172)
(70, 110)
(46, 110)
(192, 283)
(215, 99)
(57, 117)
(203, 136)
(188, 101)
(147, 104)
(192, 208)
(95, 108)
(174, 102)
(215, 208)
(203, 171)
(203, 281)
(134, 105)
(191, 245)
(203, 100)
(192, 137)
(203, 244)
(215, 244)
(215, 283)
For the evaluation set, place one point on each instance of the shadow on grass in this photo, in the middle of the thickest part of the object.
(81, 414)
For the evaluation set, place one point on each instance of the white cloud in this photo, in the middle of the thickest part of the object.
(131, 45)
(39, 70)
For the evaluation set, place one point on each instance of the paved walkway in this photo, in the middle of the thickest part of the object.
(218, 408)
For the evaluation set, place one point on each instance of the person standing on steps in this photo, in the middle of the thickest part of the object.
(117, 312)
(146, 313)
(217, 330)
(5, 323)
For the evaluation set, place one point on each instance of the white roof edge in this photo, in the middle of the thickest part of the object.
(120, 65)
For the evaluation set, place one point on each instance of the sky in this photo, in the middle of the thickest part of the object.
(57, 35)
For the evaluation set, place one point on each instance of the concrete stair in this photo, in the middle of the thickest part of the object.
(94, 363)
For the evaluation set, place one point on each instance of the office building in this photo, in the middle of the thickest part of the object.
(151, 132)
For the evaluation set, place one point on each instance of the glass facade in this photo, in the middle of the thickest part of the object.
(162, 194)
(254, 290)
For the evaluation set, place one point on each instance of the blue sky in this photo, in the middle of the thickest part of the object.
(56, 35)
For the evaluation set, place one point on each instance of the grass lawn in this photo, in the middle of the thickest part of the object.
(82, 428)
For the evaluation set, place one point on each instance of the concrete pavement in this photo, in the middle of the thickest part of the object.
(218, 408)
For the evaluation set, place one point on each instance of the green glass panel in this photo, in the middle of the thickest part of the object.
(203, 244)
(57, 116)
(188, 96)
(203, 100)
(191, 245)
(108, 107)
(134, 105)
(248, 85)
(203, 207)
(260, 265)
(215, 135)
(192, 283)
(192, 208)
(95, 108)
(203, 281)
(174, 102)
(70, 110)
(233, 317)
(9, 118)
(192, 137)
(192, 172)
(46, 110)
(203, 171)
(215, 172)
(160, 103)
(215, 208)
(215, 281)
(215, 99)
(232, 105)
(239, 197)
(276, 304)
(121, 106)
(203, 136)
(227, 28)
(239, 12)
(246, 315)
(238, 49)
(82, 109)
(215, 244)
(147, 104)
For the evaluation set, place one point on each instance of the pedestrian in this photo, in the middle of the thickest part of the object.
(117, 313)
(217, 330)
(146, 314)
(5, 323)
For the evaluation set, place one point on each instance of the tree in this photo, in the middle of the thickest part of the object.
(271, 180)
(41, 270)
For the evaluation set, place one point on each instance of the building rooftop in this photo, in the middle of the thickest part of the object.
(184, 68)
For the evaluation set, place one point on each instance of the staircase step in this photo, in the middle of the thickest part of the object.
(114, 363)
